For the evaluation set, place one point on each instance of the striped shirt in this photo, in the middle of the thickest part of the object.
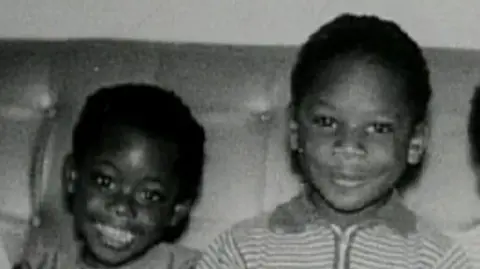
(297, 235)
(470, 240)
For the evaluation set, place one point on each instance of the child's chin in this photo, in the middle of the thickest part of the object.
(348, 205)
(112, 258)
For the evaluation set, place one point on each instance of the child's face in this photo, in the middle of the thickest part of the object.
(355, 133)
(124, 195)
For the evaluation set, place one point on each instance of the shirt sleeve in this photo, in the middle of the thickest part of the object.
(455, 258)
(223, 253)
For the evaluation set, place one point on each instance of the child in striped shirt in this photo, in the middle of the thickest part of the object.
(131, 179)
(469, 235)
(360, 92)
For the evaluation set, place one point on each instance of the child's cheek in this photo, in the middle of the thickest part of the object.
(95, 202)
(153, 217)
(386, 150)
(321, 148)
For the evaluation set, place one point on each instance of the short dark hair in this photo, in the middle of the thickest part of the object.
(474, 125)
(154, 110)
(368, 36)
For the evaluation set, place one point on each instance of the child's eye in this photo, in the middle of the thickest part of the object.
(324, 121)
(104, 181)
(152, 196)
(380, 128)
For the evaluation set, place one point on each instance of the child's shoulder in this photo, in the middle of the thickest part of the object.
(184, 257)
(469, 238)
(432, 238)
(282, 219)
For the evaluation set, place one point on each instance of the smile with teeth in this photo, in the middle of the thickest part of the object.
(348, 179)
(114, 237)
(346, 182)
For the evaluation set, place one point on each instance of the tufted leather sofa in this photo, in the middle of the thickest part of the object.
(239, 93)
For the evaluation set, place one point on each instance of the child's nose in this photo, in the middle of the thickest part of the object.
(349, 143)
(122, 206)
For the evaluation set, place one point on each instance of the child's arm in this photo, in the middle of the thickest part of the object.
(222, 253)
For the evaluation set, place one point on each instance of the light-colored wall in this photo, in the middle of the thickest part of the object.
(433, 23)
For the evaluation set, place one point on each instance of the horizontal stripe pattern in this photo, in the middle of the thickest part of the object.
(470, 241)
(253, 245)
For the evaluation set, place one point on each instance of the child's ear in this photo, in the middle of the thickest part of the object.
(293, 135)
(180, 212)
(69, 176)
(418, 143)
(292, 130)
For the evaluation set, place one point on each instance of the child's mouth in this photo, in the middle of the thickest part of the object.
(348, 183)
(348, 179)
(113, 237)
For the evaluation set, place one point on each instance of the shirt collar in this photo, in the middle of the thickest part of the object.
(298, 213)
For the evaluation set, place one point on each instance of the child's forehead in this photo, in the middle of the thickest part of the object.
(134, 143)
(361, 82)
(131, 133)
(349, 66)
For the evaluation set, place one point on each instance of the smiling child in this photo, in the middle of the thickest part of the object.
(131, 179)
(360, 92)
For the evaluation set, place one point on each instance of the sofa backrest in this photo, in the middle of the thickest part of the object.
(239, 94)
